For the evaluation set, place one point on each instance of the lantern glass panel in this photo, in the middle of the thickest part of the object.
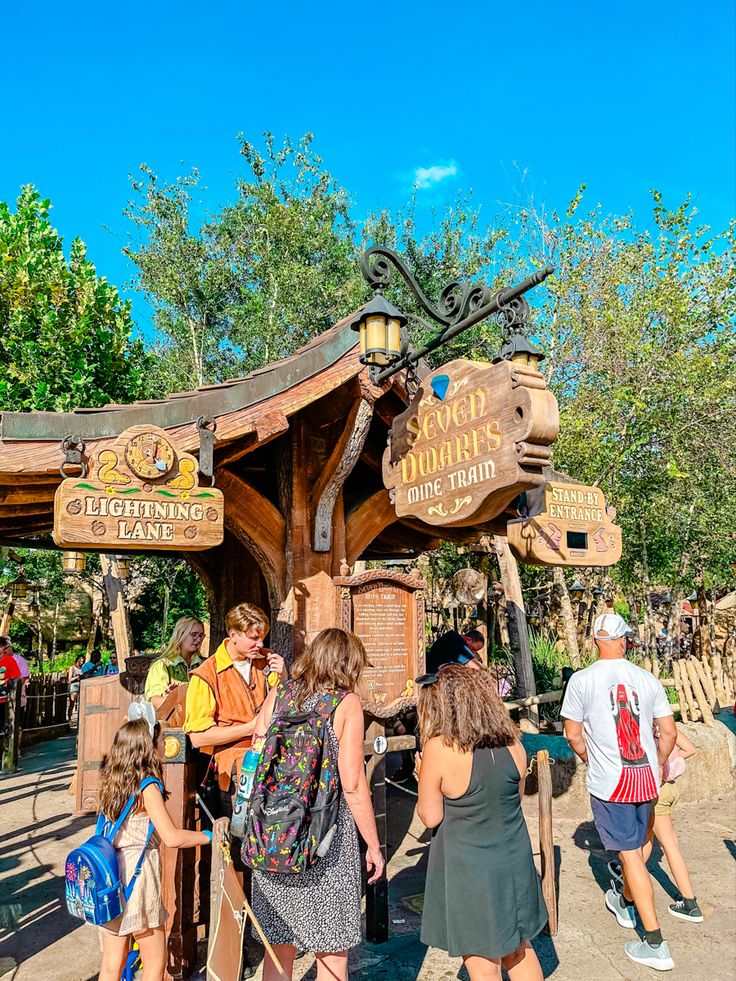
(393, 339)
(375, 330)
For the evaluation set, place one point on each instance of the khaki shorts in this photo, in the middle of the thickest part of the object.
(669, 794)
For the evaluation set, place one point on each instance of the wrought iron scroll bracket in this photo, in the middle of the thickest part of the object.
(457, 300)
(73, 449)
(207, 427)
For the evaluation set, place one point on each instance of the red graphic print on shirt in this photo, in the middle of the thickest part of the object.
(637, 782)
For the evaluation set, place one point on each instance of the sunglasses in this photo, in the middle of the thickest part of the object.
(424, 680)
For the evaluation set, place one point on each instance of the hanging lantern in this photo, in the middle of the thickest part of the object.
(19, 587)
(379, 325)
(123, 566)
(576, 590)
(72, 563)
(34, 609)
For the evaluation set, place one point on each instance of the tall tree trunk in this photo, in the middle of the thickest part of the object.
(7, 618)
(165, 617)
(118, 607)
(97, 606)
(518, 633)
(650, 646)
(54, 634)
(569, 626)
(703, 617)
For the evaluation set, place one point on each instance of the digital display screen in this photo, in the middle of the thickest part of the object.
(577, 540)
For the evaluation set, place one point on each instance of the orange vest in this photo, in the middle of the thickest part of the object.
(235, 702)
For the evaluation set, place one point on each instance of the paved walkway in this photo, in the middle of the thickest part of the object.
(40, 942)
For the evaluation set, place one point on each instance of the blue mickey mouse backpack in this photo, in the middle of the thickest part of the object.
(93, 889)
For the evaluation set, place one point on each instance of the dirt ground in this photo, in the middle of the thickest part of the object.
(39, 941)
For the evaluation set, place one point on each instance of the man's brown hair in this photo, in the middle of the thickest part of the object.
(463, 708)
(245, 616)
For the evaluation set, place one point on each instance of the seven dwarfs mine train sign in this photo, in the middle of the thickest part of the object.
(473, 438)
(139, 492)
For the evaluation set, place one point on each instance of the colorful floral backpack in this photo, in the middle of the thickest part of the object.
(93, 889)
(294, 806)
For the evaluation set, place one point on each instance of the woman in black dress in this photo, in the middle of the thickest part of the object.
(483, 899)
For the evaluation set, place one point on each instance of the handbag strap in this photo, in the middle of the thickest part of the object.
(139, 865)
(102, 821)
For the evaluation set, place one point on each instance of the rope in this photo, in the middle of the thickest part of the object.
(533, 760)
(412, 793)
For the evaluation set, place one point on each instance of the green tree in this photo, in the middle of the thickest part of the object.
(252, 282)
(638, 323)
(65, 333)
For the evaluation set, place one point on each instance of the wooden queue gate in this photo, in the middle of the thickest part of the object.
(103, 708)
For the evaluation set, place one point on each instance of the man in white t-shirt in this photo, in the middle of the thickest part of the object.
(609, 711)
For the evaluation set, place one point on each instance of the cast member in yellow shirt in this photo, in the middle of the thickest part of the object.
(181, 655)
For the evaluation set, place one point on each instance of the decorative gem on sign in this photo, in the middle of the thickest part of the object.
(440, 384)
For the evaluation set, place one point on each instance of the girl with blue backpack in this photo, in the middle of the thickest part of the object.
(126, 902)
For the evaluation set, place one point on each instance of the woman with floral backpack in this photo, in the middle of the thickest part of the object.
(316, 907)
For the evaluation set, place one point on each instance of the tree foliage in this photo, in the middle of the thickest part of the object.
(251, 283)
(65, 337)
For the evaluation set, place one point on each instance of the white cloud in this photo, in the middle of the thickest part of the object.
(425, 177)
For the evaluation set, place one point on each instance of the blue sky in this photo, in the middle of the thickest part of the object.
(624, 97)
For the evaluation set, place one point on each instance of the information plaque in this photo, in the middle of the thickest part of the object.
(386, 610)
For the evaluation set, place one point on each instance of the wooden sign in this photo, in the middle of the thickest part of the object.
(473, 438)
(140, 492)
(386, 610)
(575, 528)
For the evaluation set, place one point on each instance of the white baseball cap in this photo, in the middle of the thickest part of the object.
(611, 626)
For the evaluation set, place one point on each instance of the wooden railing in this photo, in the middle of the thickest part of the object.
(46, 705)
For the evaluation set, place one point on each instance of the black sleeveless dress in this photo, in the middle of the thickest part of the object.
(483, 895)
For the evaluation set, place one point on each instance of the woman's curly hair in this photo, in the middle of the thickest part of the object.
(464, 709)
(133, 757)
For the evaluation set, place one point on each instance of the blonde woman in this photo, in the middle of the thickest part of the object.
(181, 655)
(483, 899)
(319, 909)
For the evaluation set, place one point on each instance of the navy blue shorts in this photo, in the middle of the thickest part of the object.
(622, 827)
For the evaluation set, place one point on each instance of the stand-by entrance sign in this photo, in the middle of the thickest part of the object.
(574, 528)
(140, 492)
(473, 438)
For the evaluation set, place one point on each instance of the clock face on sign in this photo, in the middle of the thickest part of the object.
(149, 456)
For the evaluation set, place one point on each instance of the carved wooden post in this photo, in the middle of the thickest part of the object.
(118, 606)
(178, 865)
(546, 841)
(11, 740)
(518, 631)
(376, 900)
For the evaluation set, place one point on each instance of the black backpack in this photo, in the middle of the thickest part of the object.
(294, 806)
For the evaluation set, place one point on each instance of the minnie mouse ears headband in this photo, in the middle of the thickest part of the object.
(142, 710)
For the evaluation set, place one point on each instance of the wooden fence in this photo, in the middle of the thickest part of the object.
(46, 703)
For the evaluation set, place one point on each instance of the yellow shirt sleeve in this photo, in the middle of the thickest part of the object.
(200, 712)
(157, 680)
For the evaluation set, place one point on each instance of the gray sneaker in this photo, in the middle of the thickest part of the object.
(679, 910)
(623, 913)
(656, 957)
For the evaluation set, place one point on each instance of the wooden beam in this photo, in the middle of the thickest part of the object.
(27, 493)
(365, 522)
(270, 426)
(336, 471)
(259, 526)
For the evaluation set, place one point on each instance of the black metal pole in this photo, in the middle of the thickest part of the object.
(497, 301)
